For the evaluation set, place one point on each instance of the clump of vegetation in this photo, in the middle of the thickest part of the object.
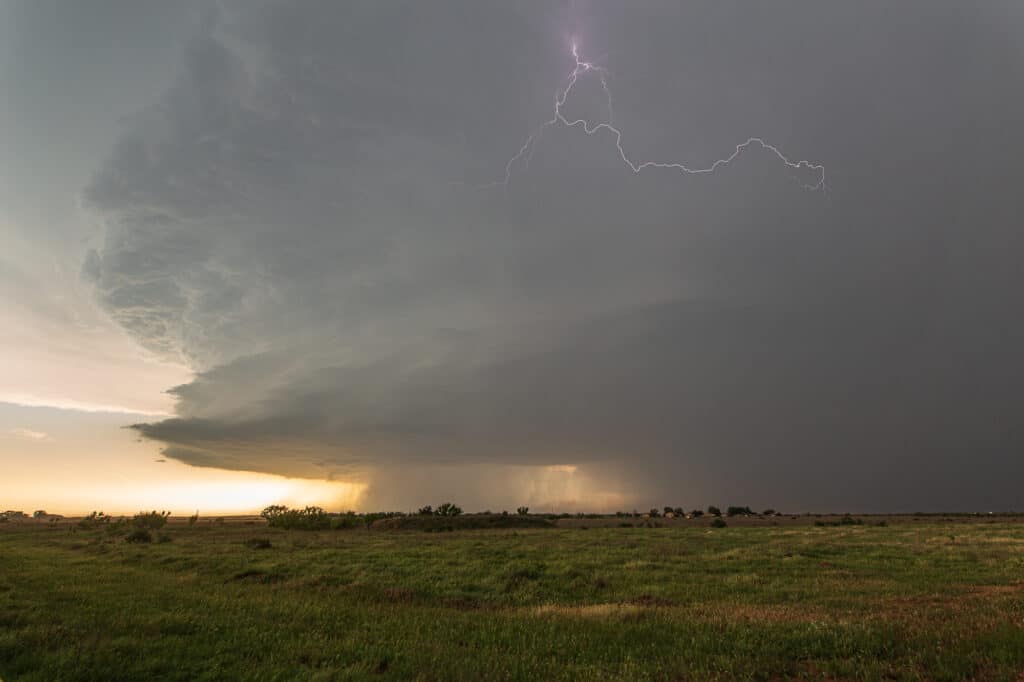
(139, 536)
(697, 513)
(847, 520)
(522, 511)
(309, 518)
(718, 522)
(714, 511)
(739, 511)
(446, 509)
(348, 521)
(449, 509)
(440, 524)
(194, 519)
(153, 520)
(93, 521)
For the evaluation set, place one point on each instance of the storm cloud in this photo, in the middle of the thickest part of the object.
(300, 218)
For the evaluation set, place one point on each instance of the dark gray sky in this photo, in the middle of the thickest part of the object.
(284, 198)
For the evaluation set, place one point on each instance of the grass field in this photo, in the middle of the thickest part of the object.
(917, 599)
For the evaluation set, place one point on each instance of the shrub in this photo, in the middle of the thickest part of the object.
(448, 509)
(654, 513)
(347, 521)
(522, 511)
(426, 511)
(714, 511)
(139, 535)
(152, 520)
(848, 520)
(697, 513)
(668, 510)
(93, 520)
(719, 522)
(192, 520)
(310, 518)
(679, 511)
(739, 511)
(768, 512)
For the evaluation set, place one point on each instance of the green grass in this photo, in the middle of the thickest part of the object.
(923, 600)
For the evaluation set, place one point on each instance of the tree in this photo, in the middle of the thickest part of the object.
(654, 513)
(697, 513)
(714, 511)
(426, 511)
(768, 512)
(739, 511)
(448, 509)
(522, 511)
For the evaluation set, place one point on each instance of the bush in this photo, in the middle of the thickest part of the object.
(719, 522)
(347, 522)
(522, 511)
(139, 535)
(449, 509)
(654, 513)
(93, 520)
(697, 513)
(426, 511)
(768, 512)
(310, 518)
(739, 511)
(192, 520)
(152, 520)
(714, 511)
(848, 520)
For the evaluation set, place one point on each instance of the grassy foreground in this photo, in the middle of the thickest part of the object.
(925, 601)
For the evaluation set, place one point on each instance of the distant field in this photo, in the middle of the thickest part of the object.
(922, 598)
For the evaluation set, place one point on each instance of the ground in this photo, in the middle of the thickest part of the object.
(925, 598)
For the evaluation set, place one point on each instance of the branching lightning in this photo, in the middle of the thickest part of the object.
(525, 153)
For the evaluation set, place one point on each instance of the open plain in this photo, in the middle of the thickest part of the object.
(918, 598)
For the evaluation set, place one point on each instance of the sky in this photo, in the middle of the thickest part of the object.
(255, 251)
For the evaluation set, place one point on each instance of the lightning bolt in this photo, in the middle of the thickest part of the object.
(525, 153)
